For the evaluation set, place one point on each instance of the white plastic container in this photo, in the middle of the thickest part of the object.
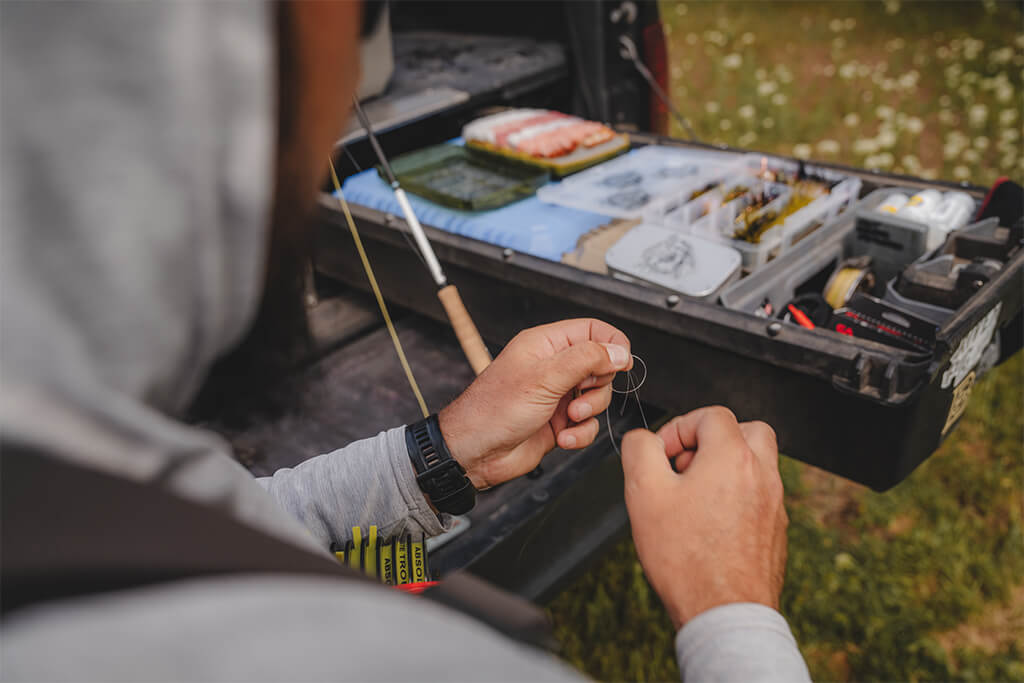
(720, 225)
(673, 261)
(672, 211)
(625, 186)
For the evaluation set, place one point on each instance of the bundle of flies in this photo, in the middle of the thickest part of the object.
(752, 223)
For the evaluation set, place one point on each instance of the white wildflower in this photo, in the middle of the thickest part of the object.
(977, 114)
(981, 143)
(848, 70)
(732, 61)
(711, 107)
(914, 125)
(829, 70)
(908, 81)
(881, 161)
(928, 173)
(761, 74)
(895, 45)
(943, 52)
(802, 151)
(886, 139)
(836, 25)
(1009, 135)
(885, 112)
(1004, 93)
(911, 163)
(746, 112)
(961, 173)
(783, 74)
(889, 84)
(766, 88)
(972, 48)
(864, 146)
(779, 99)
(971, 156)
(747, 38)
(747, 139)
(892, 6)
(839, 42)
(768, 123)
(676, 71)
(947, 117)
(863, 70)
(681, 9)
(725, 124)
(965, 91)
(851, 120)
(828, 147)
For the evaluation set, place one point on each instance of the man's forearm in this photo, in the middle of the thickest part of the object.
(368, 482)
(739, 642)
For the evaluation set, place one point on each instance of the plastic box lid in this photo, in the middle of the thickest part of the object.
(673, 261)
(625, 186)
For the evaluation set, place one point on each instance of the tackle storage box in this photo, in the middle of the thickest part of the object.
(868, 411)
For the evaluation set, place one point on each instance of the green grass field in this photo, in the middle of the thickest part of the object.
(925, 581)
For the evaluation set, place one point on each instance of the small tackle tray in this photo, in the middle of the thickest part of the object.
(861, 409)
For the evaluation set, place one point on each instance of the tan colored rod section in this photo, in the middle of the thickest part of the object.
(465, 331)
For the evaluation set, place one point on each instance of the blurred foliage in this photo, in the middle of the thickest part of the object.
(922, 582)
(927, 89)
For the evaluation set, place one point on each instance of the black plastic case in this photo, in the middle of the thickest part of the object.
(860, 409)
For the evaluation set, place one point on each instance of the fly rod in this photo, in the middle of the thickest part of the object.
(465, 330)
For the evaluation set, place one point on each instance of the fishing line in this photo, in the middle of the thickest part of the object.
(405, 231)
(632, 387)
(376, 292)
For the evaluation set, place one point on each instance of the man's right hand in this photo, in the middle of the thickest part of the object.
(715, 532)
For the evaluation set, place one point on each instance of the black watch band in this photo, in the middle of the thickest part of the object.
(439, 475)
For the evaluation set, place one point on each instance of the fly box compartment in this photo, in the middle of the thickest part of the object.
(760, 231)
(626, 186)
(865, 410)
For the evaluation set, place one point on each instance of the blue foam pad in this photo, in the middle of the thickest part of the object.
(529, 226)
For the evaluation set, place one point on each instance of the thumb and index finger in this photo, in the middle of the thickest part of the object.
(584, 349)
(714, 428)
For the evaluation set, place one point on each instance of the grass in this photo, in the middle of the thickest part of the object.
(923, 582)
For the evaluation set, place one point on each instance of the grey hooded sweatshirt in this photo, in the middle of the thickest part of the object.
(136, 148)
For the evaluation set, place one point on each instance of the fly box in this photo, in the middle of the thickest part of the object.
(868, 405)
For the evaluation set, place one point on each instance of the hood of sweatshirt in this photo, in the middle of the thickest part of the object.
(136, 152)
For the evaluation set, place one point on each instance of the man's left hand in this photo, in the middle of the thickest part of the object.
(523, 404)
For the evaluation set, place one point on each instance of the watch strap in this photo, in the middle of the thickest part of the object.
(439, 475)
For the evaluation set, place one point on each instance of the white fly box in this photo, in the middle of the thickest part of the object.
(624, 187)
(673, 261)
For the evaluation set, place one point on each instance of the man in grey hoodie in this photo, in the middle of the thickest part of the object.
(149, 195)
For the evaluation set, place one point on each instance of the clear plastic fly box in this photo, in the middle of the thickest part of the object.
(625, 186)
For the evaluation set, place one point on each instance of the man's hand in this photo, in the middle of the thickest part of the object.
(714, 533)
(522, 405)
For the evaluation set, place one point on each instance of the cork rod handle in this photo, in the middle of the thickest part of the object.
(465, 331)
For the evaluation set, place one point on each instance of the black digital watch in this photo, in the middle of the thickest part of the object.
(439, 475)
